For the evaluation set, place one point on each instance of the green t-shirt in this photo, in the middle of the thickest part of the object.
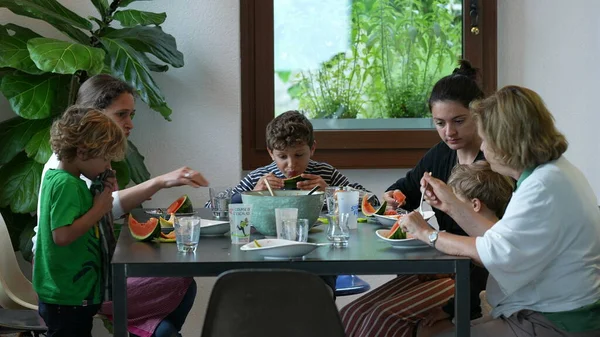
(68, 275)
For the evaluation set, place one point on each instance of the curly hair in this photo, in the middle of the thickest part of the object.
(101, 90)
(518, 128)
(291, 128)
(477, 180)
(91, 132)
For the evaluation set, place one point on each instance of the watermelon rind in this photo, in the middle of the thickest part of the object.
(290, 183)
(141, 233)
(185, 205)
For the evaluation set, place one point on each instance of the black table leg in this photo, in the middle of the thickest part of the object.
(462, 295)
(119, 300)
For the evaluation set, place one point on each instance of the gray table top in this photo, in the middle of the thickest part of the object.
(216, 254)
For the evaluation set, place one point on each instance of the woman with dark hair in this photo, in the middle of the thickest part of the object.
(158, 306)
(390, 310)
(543, 256)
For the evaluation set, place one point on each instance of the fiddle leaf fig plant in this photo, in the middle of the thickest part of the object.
(40, 77)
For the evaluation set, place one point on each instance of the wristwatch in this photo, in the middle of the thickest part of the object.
(433, 236)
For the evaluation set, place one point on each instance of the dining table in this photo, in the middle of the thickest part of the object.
(364, 255)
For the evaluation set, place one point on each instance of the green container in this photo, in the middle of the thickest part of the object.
(264, 205)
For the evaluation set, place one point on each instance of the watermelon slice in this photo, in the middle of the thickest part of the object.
(396, 232)
(290, 183)
(181, 205)
(368, 209)
(146, 231)
(399, 197)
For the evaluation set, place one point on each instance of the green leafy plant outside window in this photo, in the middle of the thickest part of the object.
(40, 77)
(398, 49)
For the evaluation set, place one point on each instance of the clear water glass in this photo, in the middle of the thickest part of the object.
(187, 233)
(220, 198)
(295, 230)
(330, 197)
(282, 214)
(337, 229)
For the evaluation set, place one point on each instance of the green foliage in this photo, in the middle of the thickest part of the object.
(398, 50)
(40, 78)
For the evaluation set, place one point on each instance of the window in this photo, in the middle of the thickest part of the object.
(354, 141)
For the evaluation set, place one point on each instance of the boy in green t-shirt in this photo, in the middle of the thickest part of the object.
(67, 268)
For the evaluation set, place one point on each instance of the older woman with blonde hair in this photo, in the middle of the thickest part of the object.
(543, 256)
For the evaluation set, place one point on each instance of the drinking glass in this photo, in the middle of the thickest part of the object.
(220, 198)
(282, 214)
(347, 202)
(330, 197)
(337, 229)
(187, 233)
(239, 223)
(295, 230)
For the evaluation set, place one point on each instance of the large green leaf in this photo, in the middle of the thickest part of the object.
(137, 169)
(126, 64)
(122, 172)
(25, 243)
(153, 66)
(132, 17)
(39, 147)
(125, 3)
(65, 57)
(13, 48)
(36, 97)
(151, 40)
(19, 184)
(50, 11)
(16, 133)
(102, 6)
(74, 33)
(17, 223)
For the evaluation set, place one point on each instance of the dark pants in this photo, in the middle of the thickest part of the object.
(171, 325)
(68, 320)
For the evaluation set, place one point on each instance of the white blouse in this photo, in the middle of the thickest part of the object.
(544, 254)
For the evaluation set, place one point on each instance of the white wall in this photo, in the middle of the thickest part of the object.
(548, 45)
(553, 47)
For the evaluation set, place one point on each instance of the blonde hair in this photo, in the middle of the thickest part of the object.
(518, 128)
(90, 131)
(477, 180)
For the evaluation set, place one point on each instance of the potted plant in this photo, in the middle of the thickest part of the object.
(40, 77)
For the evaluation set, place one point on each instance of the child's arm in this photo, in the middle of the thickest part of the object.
(65, 235)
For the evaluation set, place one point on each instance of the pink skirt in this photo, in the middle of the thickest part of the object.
(149, 301)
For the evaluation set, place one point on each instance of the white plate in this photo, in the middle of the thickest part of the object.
(402, 244)
(388, 220)
(280, 249)
(213, 227)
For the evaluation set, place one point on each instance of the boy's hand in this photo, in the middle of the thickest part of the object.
(311, 181)
(103, 202)
(274, 182)
(392, 204)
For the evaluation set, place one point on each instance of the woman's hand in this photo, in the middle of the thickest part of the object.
(182, 176)
(414, 224)
(434, 315)
(311, 181)
(437, 193)
(274, 182)
(392, 204)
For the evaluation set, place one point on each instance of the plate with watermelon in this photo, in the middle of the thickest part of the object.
(182, 206)
(397, 238)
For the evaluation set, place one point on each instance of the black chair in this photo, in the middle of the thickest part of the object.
(271, 303)
(21, 321)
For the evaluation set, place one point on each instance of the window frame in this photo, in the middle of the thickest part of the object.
(356, 149)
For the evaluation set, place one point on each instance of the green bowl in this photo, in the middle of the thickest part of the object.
(264, 205)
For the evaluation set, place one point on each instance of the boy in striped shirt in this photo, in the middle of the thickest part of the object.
(291, 144)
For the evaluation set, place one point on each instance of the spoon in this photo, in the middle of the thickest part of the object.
(269, 187)
(314, 189)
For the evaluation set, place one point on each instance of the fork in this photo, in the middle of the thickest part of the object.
(422, 197)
